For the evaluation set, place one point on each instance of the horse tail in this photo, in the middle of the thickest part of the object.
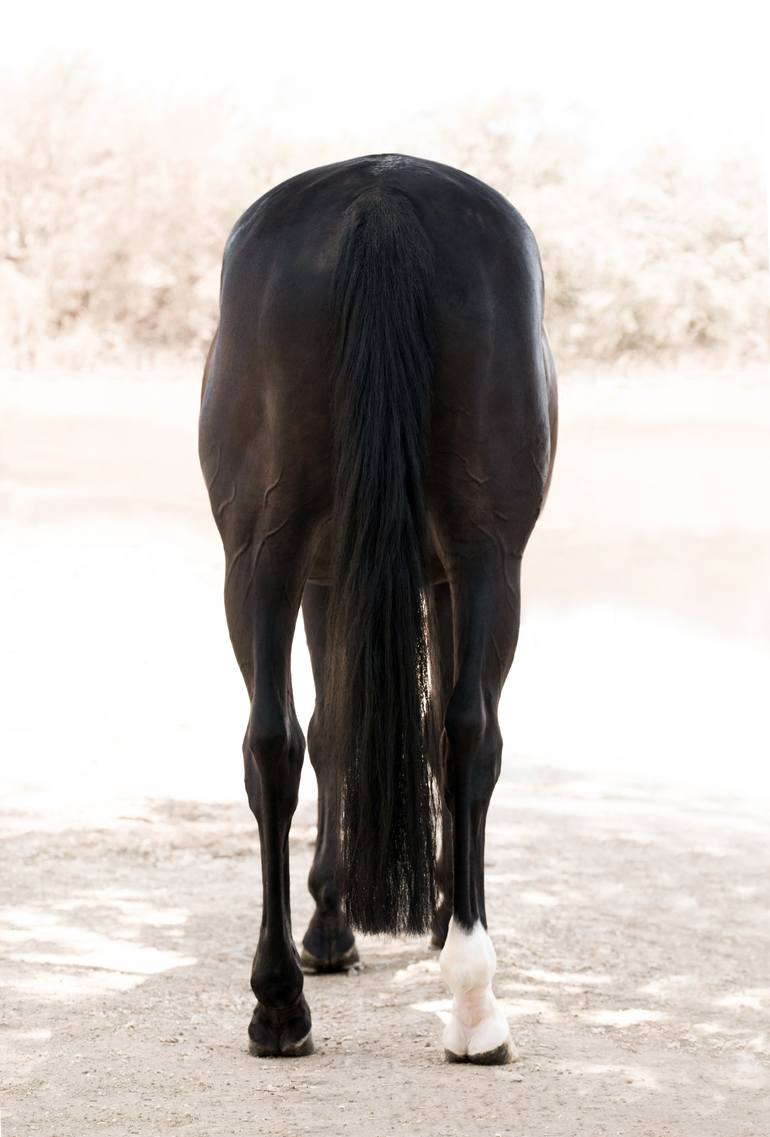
(379, 705)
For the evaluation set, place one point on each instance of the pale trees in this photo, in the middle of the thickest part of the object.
(114, 210)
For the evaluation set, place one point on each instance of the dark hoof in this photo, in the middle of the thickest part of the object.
(281, 1032)
(327, 947)
(299, 1049)
(500, 1056)
(331, 964)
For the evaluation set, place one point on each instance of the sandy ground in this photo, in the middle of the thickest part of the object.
(628, 846)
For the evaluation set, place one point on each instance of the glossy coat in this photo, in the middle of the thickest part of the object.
(271, 452)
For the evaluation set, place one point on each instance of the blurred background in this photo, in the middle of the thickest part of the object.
(635, 143)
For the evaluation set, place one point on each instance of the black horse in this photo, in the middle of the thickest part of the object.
(377, 434)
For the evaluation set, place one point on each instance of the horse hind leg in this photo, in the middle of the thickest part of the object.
(485, 598)
(263, 587)
(328, 944)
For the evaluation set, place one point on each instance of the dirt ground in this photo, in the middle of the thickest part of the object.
(628, 851)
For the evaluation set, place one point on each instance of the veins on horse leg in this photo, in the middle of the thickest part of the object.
(536, 465)
(474, 477)
(247, 543)
(271, 487)
(263, 542)
(236, 557)
(228, 501)
(217, 469)
(510, 589)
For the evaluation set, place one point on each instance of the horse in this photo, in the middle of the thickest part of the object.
(377, 435)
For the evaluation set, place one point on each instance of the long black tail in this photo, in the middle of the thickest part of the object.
(379, 703)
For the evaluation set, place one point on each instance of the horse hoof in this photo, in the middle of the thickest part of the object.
(299, 1049)
(281, 1032)
(331, 963)
(328, 946)
(500, 1056)
(450, 1056)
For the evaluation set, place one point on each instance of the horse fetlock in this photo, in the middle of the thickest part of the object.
(468, 959)
(276, 981)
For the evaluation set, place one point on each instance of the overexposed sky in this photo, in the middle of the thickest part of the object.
(698, 70)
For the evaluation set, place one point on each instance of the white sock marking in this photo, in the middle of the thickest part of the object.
(476, 1024)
